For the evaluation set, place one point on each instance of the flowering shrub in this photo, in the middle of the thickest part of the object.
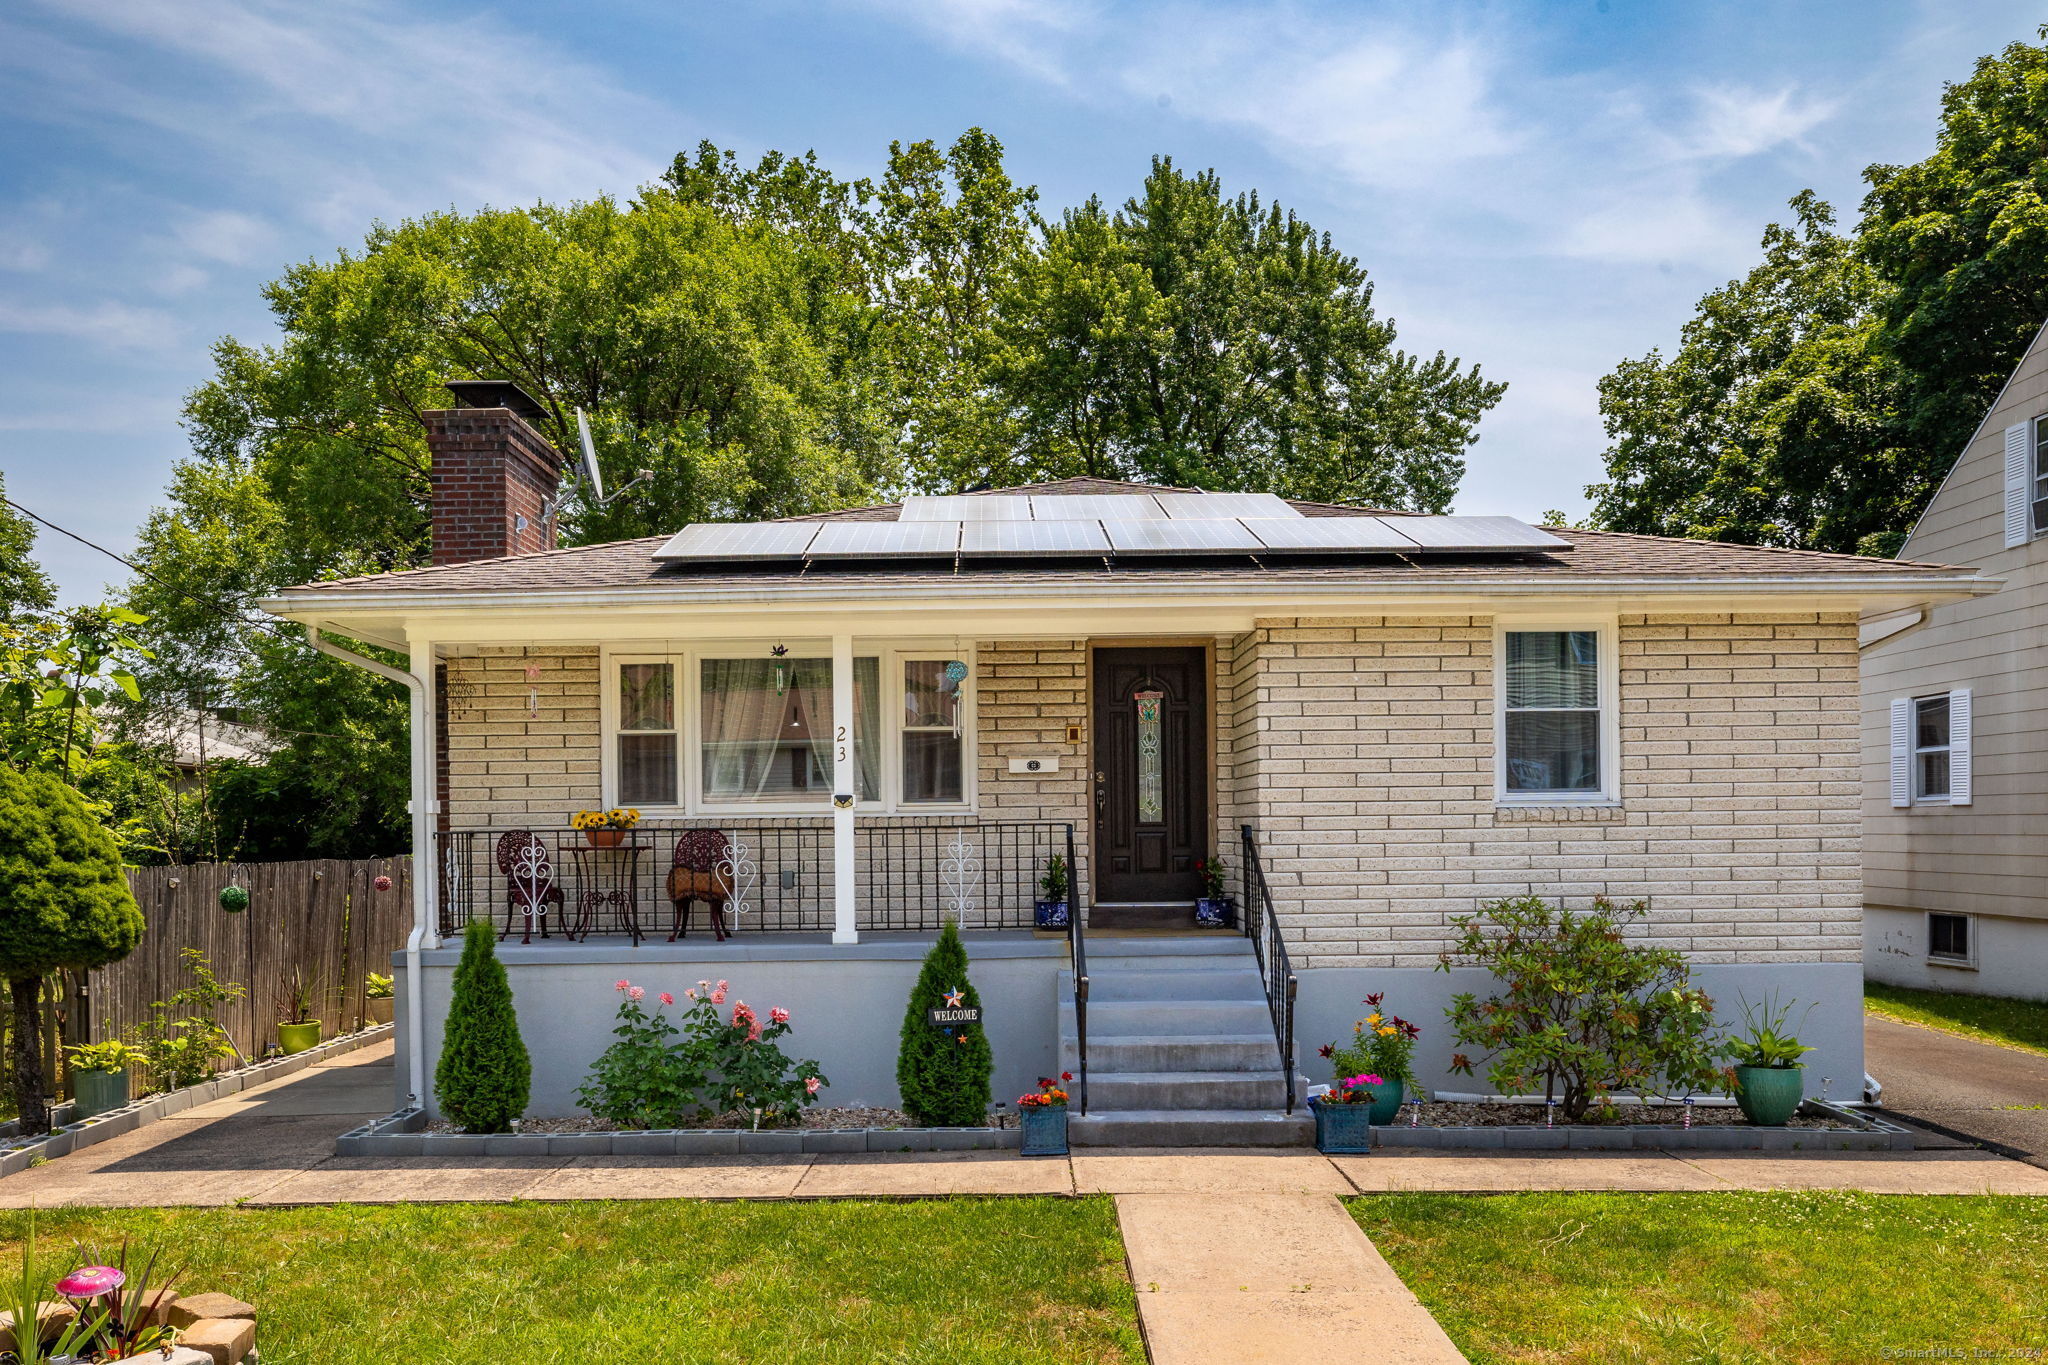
(1354, 1089)
(1047, 1095)
(705, 1063)
(1381, 1043)
(1581, 1012)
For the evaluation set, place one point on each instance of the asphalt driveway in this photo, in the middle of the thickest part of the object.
(1995, 1095)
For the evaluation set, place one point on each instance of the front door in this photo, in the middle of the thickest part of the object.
(1151, 773)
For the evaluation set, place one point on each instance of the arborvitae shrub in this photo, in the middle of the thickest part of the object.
(943, 1072)
(484, 1073)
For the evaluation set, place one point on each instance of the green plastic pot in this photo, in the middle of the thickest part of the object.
(1386, 1103)
(1769, 1095)
(96, 1092)
(298, 1037)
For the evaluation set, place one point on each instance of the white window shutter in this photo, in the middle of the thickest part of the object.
(2016, 483)
(1959, 747)
(1902, 751)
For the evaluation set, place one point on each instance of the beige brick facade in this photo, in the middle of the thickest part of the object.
(1363, 750)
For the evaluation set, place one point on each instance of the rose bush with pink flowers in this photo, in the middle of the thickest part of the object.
(705, 1063)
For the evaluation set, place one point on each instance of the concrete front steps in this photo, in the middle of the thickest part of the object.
(1180, 1050)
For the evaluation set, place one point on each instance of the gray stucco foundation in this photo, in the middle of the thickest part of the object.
(848, 1003)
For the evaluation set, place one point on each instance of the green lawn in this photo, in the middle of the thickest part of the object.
(1715, 1279)
(1993, 1018)
(962, 1280)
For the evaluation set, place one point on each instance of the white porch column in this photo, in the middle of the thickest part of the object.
(845, 788)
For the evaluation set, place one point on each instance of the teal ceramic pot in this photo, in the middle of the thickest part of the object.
(96, 1092)
(1386, 1103)
(1342, 1128)
(298, 1037)
(1045, 1129)
(1769, 1095)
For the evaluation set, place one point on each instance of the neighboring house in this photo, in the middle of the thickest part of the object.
(1955, 714)
(1392, 718)
(191, 740)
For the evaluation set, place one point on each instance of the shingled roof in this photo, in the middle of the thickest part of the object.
(1593, 556)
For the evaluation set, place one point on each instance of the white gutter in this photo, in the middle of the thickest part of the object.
(1273, 591)
(423, 863)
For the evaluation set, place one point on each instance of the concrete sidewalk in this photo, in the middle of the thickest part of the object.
(1992, 1094)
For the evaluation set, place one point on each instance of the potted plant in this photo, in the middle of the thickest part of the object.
(1213, 909)
(1051, 912)
(605, 828)
(1382, 1045)
(377, 997)
(298, 1014)
(1770, 1080)
(99, 1076)
(1344, 1114)
(1042, 1115)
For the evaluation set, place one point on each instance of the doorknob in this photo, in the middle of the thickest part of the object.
(1101, 797)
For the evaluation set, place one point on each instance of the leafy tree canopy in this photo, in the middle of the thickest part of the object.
(25, 590)
(1818, 401)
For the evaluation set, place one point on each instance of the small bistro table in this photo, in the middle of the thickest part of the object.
(607, 878)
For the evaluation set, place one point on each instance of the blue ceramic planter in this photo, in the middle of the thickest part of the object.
(1049, 914)
(1045, 1130)
(1342, 1128)
(1215, 912)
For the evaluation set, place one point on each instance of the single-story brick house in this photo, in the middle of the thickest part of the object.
(1377, 720)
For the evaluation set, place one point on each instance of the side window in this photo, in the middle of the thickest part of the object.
(1931, 748)
(1551, 712)
(1948, 937)
(2037, 491)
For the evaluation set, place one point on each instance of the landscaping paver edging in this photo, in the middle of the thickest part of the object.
(71, 1137)
(402, 1134)
(1869, 1135)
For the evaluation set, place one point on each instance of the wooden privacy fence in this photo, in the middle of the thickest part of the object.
(325, 919)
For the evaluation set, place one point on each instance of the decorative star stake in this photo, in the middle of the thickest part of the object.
(953, 998)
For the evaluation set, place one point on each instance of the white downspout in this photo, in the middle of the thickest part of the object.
(425, 867)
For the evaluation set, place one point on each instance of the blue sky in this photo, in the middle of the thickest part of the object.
(1544, 188)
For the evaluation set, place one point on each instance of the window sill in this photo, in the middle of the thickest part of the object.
(1553, 812)
(1954, 964)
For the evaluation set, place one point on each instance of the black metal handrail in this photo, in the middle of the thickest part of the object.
(1262, 927)
(1077, 948)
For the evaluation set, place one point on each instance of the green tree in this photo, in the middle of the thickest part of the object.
(943, 1071)
(64, 904)
(1203, 340)
(1819, 401)
(25, 590)
(484, 1073)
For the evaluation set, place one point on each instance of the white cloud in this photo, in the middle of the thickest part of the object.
(1732, 122)
(106, 323)
(227, 237)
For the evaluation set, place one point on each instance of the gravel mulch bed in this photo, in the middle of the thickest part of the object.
(1527, 1115)
(825, 1119)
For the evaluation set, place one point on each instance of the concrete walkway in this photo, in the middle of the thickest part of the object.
(1993, 1094)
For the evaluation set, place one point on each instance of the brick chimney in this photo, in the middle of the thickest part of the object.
(494, 476)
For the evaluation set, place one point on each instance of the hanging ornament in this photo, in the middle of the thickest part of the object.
(234, 899)
(779, 653)
(956, 672)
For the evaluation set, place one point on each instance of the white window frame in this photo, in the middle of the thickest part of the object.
(1968, 959)
(1607, 678)
(2037, 483)
(688, 661)
(1914, 749)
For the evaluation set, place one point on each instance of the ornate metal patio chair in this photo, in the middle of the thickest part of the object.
(529, 872)
(701, 871)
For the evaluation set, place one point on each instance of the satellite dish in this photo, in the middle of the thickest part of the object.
(589, 457)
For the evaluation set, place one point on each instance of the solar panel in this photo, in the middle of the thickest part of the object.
(1201, 506)
(865, 539)
(1323, 534)
(966, 507)
(1181, 537)
(1033, 538)
(740, 540)
(1095, 506)
(1477, 533)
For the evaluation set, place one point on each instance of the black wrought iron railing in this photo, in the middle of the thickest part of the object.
(769, 875)
(1077, 949)
(1262, 927)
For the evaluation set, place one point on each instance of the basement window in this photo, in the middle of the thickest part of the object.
(1948, 940)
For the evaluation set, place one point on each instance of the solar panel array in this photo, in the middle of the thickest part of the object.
(1101, 525)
